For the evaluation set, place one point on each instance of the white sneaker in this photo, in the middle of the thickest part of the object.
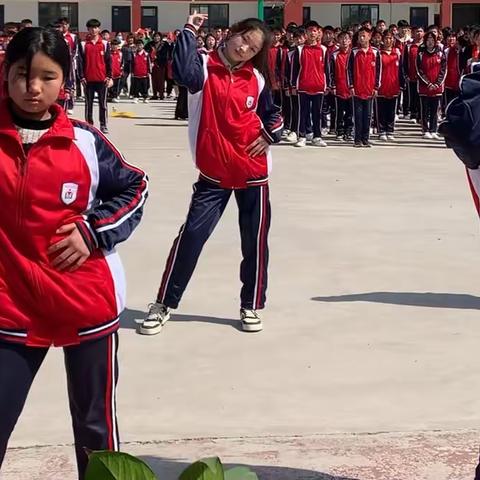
(324, 131)
(401, 116)
(319, 142)
(145, 100)
(383, 137)
(158, 316)
(251, 322)
(302, 142)
(397, 117)
(135, 100)
(285, 134)
(436, 136)
(309, 137)
(292, 137)
(115, 100)
(391, 137)
(427, 136)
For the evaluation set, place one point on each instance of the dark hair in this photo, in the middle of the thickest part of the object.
(26, 20)
(300, 31)
(64, 20)
(29, 41)
(364, 29)
(403, 24)
(93, 23)
(381, 21)
(393, 25)
(432, 27)
(212, 36)
(428, 35)
(115, 42)
(328, 28)
(387, 32)
(260, 60)
(139, 41)
(344, 33)
(311, 24)
(105, 31)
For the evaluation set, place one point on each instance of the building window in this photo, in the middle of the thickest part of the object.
(121, 19)
(2, 16)
(150, 18)
(352, 14)
(307, 14)
(419, 16)
(273, 16)
(218, 15)
(50, 12)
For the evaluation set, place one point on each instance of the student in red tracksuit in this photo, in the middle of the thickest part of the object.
(232, 122)
(117, 70)
(431, 71)
(275, 66)
(391, 83)
(452, 79)
(141, 70)
(364, 74)
(95, 70)
(340, 89)
(410, 71)
(330, 43)
(309, 75)
(71, 198)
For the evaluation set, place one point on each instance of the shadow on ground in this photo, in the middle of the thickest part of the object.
(128, 317)
(170, 469)
(414, 299)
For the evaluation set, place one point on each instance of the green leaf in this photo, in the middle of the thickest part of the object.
(240, 473)
(205, 469)
(106, 465)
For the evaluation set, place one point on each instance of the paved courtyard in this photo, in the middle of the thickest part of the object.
(368, 367)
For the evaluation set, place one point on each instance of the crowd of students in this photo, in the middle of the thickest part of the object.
(358, 81)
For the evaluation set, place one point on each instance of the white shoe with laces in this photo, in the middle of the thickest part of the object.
(302, 142)
(427, 136)
(319, 142)
(251, 321)
(158, 316)
(292, 137)
(383, 137)
(436, 136)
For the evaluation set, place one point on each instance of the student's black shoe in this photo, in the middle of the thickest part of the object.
(104, 130)
(348, 138)
(154, 98)
(357, 145)
(339, 137)
(367, 144)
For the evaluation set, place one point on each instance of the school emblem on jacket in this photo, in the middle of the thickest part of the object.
(250, 101)
(69, 193)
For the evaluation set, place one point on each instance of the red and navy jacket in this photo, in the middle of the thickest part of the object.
(364, 72)
(431, 70)
(393, 79)
(142, 65)
(95, 61)
(229, 108)
(410, 61)
(275, 66)
(310, 69)
(452, 79)
(338, 73)
(117, 63)
(73, 174)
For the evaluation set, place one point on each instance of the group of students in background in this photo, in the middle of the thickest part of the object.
(355, 82)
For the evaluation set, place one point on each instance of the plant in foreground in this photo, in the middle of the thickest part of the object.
(107, 465)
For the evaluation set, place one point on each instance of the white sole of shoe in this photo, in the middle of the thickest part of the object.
(155, 330)
(252, 327)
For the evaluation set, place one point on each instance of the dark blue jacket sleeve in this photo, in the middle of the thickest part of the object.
(270, 116)
(295, 67)
(351, 70)
(187, 62)
(121, 195)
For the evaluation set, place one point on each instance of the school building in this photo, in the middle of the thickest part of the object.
(167, 15)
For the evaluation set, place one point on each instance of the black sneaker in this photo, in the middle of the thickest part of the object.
(357, 145)
(251, 322)
(104, 130)
(367, 144)
(348, 138)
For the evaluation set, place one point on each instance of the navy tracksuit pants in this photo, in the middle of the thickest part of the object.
(92, 375)
(362, 109)
(310, 114)
(207, 206)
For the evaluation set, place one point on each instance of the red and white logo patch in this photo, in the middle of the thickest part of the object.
(69, 193)
(250, 101)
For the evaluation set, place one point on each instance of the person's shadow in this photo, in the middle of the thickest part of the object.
(414, 299)
(170, 469)
(129, 316)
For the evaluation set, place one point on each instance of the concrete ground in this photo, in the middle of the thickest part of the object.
(368, 366)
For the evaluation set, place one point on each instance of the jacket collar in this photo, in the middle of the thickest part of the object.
(61, 128)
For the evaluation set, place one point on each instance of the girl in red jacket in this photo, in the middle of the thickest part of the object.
(390, 85)
(232, 122)
(71, 198)
(431, 71)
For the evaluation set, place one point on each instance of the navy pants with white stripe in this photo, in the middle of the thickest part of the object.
(92, 374)
(207, 206)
